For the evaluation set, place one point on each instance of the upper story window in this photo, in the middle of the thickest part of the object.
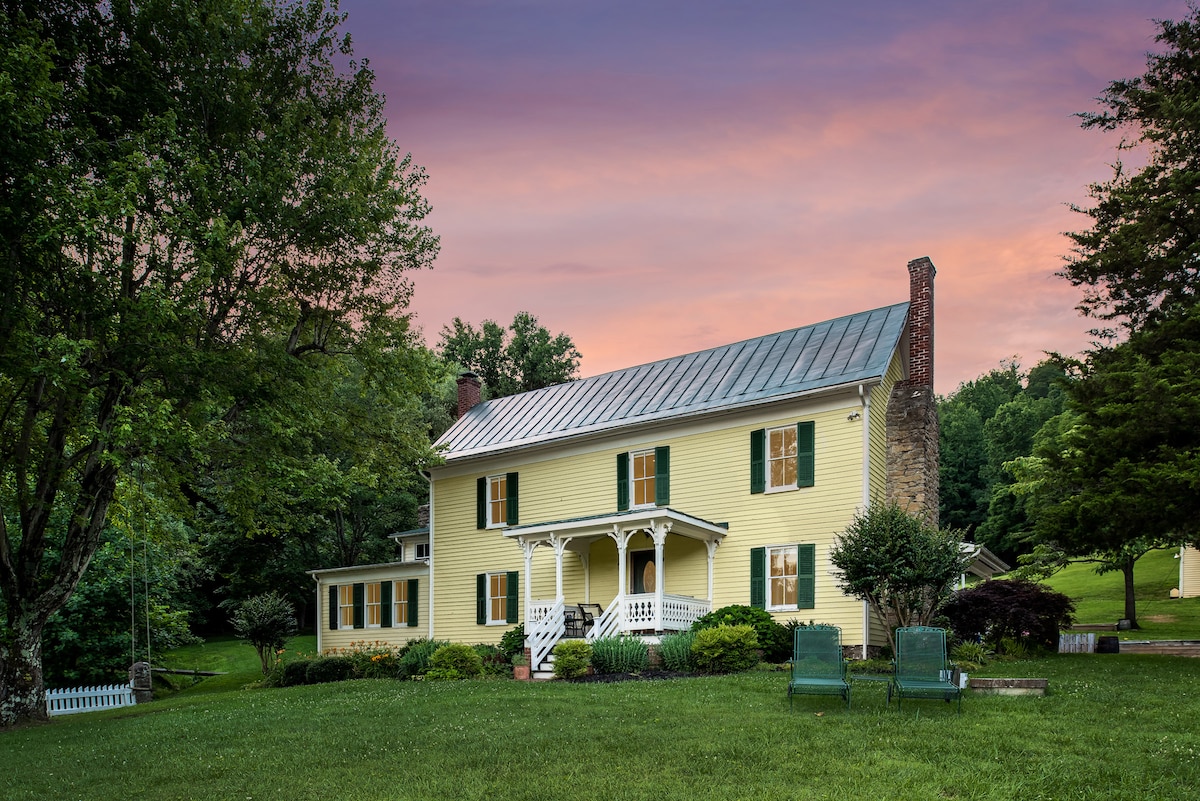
(644, 478)
(496, 501)
(421, 550)
(783, 458)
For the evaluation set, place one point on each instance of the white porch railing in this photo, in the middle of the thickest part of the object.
(679, 612)
(88, 699)
(544, 632)
(607, 625)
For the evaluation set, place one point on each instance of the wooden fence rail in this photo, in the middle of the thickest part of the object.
(88, 699)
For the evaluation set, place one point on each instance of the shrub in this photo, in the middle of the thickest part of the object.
(454, 661)
(1015, 609)
(969, 655)
(492, 657)
(329, 668)
(372, 660)
(773, 638)
(265, 621)
(620, 655)
(675, 651)
(415, 661)
(571, 659)
(513, 642)
(725, 649)
(294, 673)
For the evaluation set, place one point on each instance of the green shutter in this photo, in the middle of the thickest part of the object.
(662, 476)
(758, 577)
(806, 454)
(511, 610)
(360, 605)
(385, 604)
(806, 576)
(758, 461)
(510, 481)
(622, 482)
(333, 608)
(412, 602)
(481, 599)
(481, 502)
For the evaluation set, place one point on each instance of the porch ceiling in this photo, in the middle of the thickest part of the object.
(588, 529)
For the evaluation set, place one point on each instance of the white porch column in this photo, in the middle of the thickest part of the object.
(560, 545)
(587, 577)
(528, 548)
(659, 533)
(622, 540)
(711, 547)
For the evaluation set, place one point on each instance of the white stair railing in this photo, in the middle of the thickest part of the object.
(541, 636)
(608, 624)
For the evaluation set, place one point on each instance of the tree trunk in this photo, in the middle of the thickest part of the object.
(1130, 600)
(22, 688)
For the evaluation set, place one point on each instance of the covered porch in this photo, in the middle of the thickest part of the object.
(641, 604)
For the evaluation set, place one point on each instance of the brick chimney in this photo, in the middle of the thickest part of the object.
(468, 392)
(912, 422)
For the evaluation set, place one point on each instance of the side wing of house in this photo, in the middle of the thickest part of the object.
(1189, 572)
(387, 603)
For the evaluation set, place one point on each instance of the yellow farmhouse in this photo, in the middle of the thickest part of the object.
(637, 501)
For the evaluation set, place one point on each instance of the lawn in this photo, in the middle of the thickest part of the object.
(1101, 599)
(1113, 727)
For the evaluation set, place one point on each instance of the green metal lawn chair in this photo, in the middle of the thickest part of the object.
(818, 667)
(921, 669)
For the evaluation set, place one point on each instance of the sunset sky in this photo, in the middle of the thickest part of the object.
(655, 178)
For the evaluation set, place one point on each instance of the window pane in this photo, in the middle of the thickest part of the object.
(789, 597)
(776, 443)
(789, 562)
(778, 592)
(779, 473)
(777, 563)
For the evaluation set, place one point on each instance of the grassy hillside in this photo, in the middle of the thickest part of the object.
(1101, 599)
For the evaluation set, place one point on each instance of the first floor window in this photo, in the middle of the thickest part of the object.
(783, 577)
(781, 587)
(374, 605)
(346, 606)
(400, 603)
(496, 598)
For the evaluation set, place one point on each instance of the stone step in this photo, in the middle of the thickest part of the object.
(1191, 649)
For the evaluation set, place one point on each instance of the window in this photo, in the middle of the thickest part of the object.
(496, 598)
(345, 600)
(783, 577)
(374, 618)
(400, 603)
(422, 550)
(782, 458)
(644, 478)
(496, 501)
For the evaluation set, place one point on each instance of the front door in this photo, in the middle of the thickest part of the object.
(643, 572)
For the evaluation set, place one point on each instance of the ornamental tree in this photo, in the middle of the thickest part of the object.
(267, 622)
(900, 565)
(198, 208)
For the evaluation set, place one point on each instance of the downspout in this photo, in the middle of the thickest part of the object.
(429, 480)
(864, 398)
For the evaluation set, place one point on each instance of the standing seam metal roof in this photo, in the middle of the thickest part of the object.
(843, 351)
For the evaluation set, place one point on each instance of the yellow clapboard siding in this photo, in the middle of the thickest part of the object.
(710, 479)
(1189, 572)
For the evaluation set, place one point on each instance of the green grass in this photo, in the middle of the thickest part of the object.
(228, 655)
(1113, 727)
(1101, 599)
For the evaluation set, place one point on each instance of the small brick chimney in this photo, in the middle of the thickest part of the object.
(912, 422)
(468, 392)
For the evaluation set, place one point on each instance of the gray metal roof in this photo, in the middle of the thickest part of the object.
(847, 350)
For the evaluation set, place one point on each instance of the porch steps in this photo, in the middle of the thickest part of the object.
(544, 671)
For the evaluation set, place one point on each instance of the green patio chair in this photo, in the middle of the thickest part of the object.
(818, 667)
(921, 668)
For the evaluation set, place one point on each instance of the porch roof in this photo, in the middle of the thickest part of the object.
(596, 526)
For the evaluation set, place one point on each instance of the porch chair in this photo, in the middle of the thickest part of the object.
(818, 667)
(590, 612)
(921, 668)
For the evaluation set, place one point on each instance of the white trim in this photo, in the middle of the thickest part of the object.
(864, 397)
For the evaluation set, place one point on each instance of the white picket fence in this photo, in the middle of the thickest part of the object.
(88, 699)
(1076, 643)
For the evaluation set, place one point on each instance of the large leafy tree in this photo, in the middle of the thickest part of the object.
(198, 208)
(1142, 251)
(521, 358)
(1118, 474)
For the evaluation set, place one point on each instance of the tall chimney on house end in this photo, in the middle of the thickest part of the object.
(912, 421)
(468, 392)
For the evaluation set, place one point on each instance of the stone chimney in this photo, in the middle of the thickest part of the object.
(912, 422)
(468, 392)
